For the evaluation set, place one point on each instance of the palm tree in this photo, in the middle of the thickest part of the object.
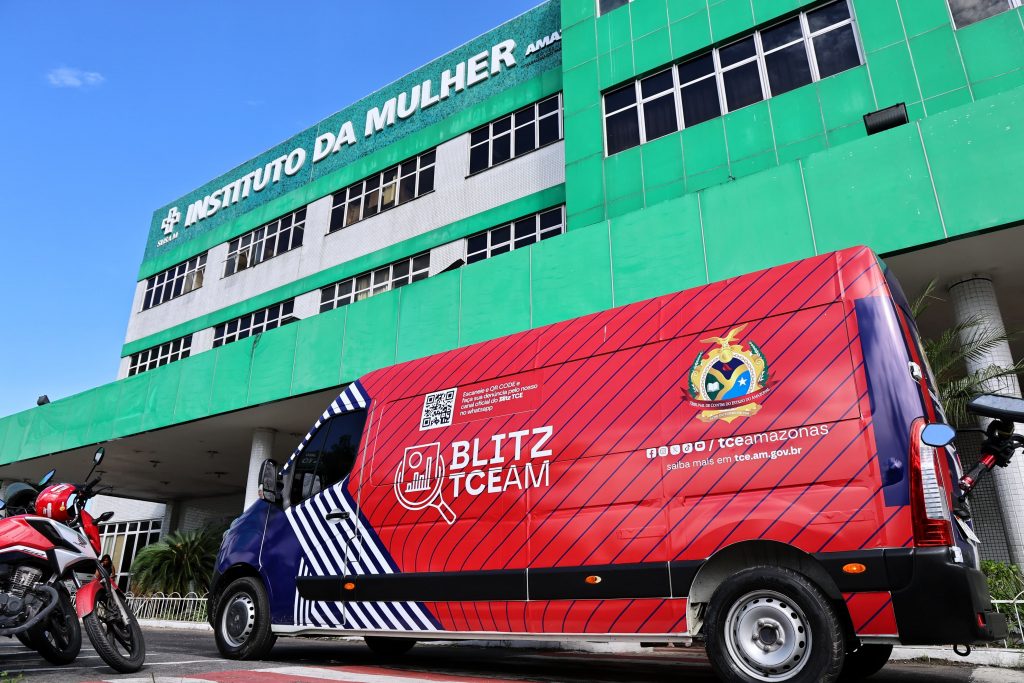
(948, 355)
(180, 562)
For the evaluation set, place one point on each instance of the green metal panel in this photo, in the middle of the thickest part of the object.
(161, 396)
(495, 297)
(571, 275)
(428, 319)
(48, 425)
(131, 405)
(704, 147)
(579, 44)
(948, 100)
(584, 134)
(756, 222)
(657, 251)
(652, 51)
(691, 34)
(195, 387)
(804, 148)
(273, 361)
(78, 420)
(18, 427)
(875, 192)
(105, 402)
(729, 18)
(879, 23)
(892, 74)
(613, 31)
(647, 16)
(370, 333)
(937, 61)
(845, 98)
(921, 16)
(992, 47)
(587, 189)
(749, 131)
(679, 9)
(318, 344)
(623, 175)
(796, 116)
(662, 161)
(999, 84)
(231, 375)
(764, 10)
(975, 154)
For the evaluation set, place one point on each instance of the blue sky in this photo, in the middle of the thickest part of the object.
(110, 110)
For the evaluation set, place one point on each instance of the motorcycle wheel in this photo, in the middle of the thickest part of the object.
(59, 638)
(25, 639)
(119, 644)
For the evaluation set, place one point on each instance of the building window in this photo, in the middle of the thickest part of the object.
(517, 134)
(967, 12)
(123, 541)
(382, 279)
(254, 323)
(517, 234)
(393, 186)
(160, 355)
(606, 6)
(265, 242)
(806, 48)
(175, 281)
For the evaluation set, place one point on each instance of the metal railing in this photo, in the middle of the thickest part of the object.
(1013, 610)
(172, 607)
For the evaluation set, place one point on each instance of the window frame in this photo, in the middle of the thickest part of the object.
(190, 268)
(719, 72)
(328, 302)
(1010, 5)
(234, 328)
(512, 239)
(159, 355)
(511, 134)
(255, 241)
(348, 200)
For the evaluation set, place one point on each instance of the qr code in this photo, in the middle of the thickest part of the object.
(438, 409)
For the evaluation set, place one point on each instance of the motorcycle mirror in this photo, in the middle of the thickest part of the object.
(72, 499)
(97, 457)
(105, 516)
(938, 435)
(3, 503)
(46, 478)
(998, 407)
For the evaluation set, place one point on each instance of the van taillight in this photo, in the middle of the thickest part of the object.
(929, 501)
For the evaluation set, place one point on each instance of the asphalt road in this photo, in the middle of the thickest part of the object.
(192, 656)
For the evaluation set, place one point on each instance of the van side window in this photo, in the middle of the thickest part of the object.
(328, 458)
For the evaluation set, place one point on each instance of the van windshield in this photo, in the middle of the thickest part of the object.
(328, 457)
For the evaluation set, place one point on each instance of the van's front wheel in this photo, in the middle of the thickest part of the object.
(773, 625)
(242, 623)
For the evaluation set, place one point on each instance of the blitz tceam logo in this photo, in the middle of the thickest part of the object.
(516, 461)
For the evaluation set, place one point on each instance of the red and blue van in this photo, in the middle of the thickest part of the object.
(739, 464)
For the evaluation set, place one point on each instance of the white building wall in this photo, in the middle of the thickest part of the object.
(455, 197)
(125, 509)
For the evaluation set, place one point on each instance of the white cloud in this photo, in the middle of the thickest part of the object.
(70, 77)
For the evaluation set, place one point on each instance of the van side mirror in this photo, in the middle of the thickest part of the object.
(938, 435)
(268, 481)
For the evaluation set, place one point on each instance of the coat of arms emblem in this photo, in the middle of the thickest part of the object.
(727, 381)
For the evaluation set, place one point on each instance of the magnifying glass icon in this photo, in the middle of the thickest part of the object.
(419, 479)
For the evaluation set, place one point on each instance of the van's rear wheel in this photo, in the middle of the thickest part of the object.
(242, 623)
(389, 647)
(769, 625)
(866, 660)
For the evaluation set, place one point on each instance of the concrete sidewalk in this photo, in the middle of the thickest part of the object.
(988, 656)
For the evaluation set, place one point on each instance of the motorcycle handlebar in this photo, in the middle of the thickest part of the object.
(997, 449)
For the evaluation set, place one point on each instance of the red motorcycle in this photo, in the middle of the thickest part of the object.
(38, 553)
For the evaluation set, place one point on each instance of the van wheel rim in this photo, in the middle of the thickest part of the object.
(767, 636)
(238, 620)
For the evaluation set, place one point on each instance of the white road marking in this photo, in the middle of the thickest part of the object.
(350, 676)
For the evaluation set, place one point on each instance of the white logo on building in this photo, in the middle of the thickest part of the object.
(172, 219)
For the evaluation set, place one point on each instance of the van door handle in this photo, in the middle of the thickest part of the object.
(336, 515)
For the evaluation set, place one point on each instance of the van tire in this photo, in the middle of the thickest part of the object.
(799, 637)
(389, 647)
(865, 661)
(241, 626)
